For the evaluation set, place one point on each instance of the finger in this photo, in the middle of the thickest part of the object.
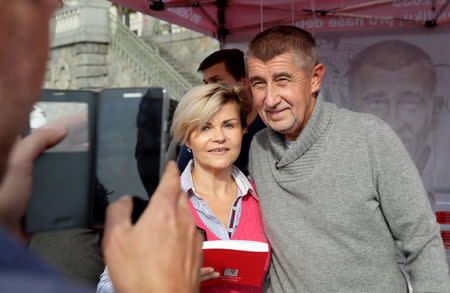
(184, 209)
(55, 134)
(167, 193)
(167, 183)
(183, 202)
(37, 142)
(196, 256)
(118, 213)
(186, 226)
(198, 252)
(210, 276)
(165, 198)
(206, 271)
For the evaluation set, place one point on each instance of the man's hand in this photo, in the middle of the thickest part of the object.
(15, 189)
(162, 251)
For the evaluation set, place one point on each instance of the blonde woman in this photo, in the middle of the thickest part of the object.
(211, 120)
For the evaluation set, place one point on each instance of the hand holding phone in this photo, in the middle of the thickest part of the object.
(15, 189)
(116, 145)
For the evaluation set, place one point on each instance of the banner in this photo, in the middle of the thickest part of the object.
(403, 77)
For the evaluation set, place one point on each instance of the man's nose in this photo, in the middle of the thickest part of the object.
(272, 97)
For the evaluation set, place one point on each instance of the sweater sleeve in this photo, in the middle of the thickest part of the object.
(407, 210)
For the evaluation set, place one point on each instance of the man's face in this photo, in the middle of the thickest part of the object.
(402, 98)
(219, 74)
(283, 93)
(24, 34)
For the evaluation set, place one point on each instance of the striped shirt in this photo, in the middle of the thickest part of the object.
(205, 213)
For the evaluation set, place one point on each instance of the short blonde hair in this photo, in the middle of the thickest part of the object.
(200, 103)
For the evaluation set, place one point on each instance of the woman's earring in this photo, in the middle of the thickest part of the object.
(189, 150)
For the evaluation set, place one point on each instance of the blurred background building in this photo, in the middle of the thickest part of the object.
(98, 45)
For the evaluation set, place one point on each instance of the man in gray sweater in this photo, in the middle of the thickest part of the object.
(338, 191)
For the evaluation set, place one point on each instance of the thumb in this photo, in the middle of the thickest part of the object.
(15, 188)
(34, 144)
(118, 216)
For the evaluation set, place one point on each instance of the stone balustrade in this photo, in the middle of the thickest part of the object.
(87, 36)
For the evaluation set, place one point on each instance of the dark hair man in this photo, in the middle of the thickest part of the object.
(228, 66)
(223, 66)
(337, 189)
(138, 262)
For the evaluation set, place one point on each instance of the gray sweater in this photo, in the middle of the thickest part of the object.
(338, 202)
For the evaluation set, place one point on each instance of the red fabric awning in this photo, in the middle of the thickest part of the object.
(239, 20)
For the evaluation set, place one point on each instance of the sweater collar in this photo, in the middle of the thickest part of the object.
(317, 123)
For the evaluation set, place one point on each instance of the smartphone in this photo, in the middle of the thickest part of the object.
(116, 145)
(62, 175)
(132, 137)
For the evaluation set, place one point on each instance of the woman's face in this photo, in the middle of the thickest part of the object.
(217, 144)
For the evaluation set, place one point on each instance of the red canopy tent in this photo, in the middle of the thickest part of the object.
(239, 20)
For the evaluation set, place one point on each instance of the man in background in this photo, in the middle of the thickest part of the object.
(228, 66)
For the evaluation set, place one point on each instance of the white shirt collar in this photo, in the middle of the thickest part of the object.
(244, 186)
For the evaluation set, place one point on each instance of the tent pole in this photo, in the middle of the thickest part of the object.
(443, 7)
(261, 14)
(292, 12)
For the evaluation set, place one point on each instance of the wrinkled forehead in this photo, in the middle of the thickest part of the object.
(286, 62)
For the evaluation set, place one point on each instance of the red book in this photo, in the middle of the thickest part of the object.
(446, 238)
(443, 217)
(237, 261)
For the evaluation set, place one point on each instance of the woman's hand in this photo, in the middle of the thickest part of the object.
(208, 273)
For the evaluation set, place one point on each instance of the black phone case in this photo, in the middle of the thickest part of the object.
(62, 181)
(132, 139)
(127, 126)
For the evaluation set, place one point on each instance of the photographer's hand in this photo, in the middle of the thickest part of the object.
(15, 189)
(162, 251)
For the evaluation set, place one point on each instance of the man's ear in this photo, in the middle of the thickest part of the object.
(317, 75)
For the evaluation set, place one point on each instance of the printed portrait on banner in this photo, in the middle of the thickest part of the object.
(404, 79)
